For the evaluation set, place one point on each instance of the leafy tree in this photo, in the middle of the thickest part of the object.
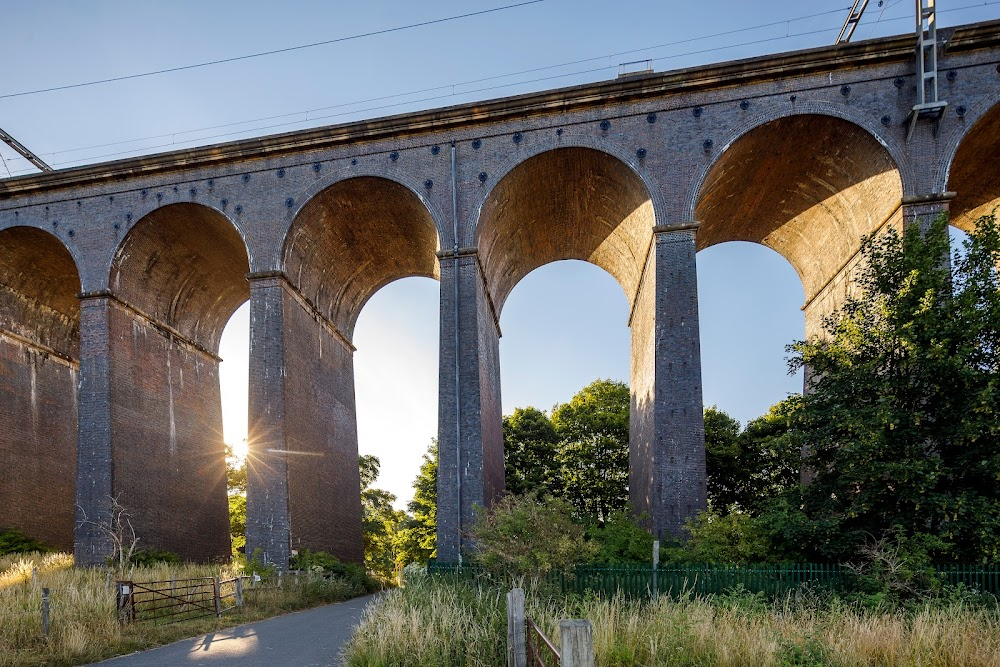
(530, 445)
(727, 469)
(527, 536)
(380, 521)
(901, 421)
(236, 482)
(418, 535)
(747, 468)
(593, 449)
(718, 538)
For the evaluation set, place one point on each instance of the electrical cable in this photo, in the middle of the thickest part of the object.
(467, 92)
(272, 52)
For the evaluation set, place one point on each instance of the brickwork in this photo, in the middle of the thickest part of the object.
(802, 152)
(168, 458)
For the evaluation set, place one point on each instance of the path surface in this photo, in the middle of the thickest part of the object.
(305, 638)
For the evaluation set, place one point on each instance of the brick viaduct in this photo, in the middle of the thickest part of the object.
(116, 279)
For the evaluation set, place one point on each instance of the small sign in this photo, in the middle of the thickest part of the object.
(126, 589)
(256, 577)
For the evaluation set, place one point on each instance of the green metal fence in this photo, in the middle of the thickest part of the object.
(697, 579)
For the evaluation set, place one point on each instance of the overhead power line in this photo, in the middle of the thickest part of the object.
(451, 87)
(272, 52)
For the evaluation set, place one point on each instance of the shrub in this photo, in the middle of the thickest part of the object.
(322, 562)
(527, 536)
(620, 540)
(13, 541)
(733, 538)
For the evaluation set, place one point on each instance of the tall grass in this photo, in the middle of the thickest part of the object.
(433, 623)
(84, 626)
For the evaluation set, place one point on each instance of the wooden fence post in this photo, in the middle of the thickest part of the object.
(45, 612)
(577, 641)
(34, 577)
(517, 654)
(218, 601)
(239, 591)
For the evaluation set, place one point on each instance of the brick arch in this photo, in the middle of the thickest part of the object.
(807, 185)
(469, 226)
(39, 283)
(355, 234)
(970, 167)
(183, 265)
(891, 143)
(568, 202)
(39, 357)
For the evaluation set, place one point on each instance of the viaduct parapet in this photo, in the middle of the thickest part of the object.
(116, 279)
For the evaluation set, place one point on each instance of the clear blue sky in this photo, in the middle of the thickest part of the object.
(564, 325)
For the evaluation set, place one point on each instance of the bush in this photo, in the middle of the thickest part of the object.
(13, 541)
(733, 538)
(322, 562)
(527, 536)
(620, 540)
(151, 557)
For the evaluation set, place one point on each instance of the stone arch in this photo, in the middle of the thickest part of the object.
(469, 229)
(39, 361)
(572, 202)
(183, 265)
(890, 143)
(354, 235)
(970, 167)
(175, 280)
(809, 186)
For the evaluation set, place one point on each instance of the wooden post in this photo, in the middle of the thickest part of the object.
(239, 591)
(656, 566)
(517, 654)
(34, 577)
(577, 641)
(45, 612)
(124, 597)
(218, 601)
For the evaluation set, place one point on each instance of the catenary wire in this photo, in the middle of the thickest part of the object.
(465, 92)
(272, 52)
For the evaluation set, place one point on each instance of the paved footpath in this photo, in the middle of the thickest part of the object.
(303, 639)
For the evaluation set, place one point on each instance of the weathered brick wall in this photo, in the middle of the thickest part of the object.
(169, 467)
(324, 483)
(37, 443)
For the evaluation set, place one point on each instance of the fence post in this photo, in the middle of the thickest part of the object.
(34, 577)
(577, 641)
(45, 612)
(656, 566)
(218, 601)
(517, 655)
(239, 591)
(123, 594)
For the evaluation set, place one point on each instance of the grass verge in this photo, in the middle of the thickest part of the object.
(435, 623)
(84, 626)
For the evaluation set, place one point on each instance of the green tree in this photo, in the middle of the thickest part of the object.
(593, 449)
(901, 421)
(530, 445)
(418, 535)
(236, 483)
(380, 521)
(746, 468)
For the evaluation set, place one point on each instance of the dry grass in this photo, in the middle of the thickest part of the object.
(431, 623)
(84, 626)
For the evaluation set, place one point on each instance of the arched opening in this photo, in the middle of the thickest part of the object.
(567, 203)
(750, 308)
(176, 279)
(975, 172)
(576, 204)
(347, 242)
(39, 361)
(396, 377)
(808, 187)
